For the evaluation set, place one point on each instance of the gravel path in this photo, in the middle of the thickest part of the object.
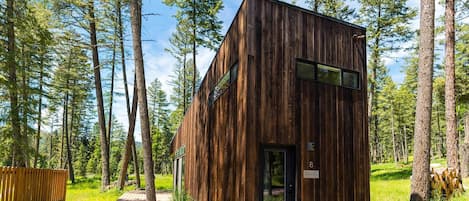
(139, 195)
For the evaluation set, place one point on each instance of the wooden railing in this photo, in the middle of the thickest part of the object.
(27, 184)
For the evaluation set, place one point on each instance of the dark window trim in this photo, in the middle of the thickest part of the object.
(289, 149)
(316, 66)
(232, 70)
(358, 79)
(307, 62)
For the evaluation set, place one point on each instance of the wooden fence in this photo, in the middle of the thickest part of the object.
(27, 184)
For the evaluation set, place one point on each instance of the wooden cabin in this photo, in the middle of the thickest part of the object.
(281, 113)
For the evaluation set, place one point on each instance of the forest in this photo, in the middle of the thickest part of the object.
(67, 66)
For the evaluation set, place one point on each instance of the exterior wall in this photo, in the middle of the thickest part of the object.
(286, 111)
(268, 105)
(213, 135)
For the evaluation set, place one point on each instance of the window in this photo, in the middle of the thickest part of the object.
(350, 79)
(305, 70)
(329, 75)
(223, 84)
(178, 169)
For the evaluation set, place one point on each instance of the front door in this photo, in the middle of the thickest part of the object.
(278, 172)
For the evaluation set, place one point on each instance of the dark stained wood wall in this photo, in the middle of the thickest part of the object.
(283, 110)
(268, 105)
(214, 136)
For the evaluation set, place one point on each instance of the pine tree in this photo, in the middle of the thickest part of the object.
(420, 185)
(387, 25)
(179, 96)
(160, 128)
(333, 8)
(201, 18)
(136, 22)
(452, 136)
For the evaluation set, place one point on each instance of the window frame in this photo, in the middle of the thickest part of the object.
(330, 69)
(353, 72)
(316, 70)
(233, 76)
(304, 61)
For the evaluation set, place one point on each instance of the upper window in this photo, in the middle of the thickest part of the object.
(327, 74)
(223, 84)
(350, 79)
(305, 70)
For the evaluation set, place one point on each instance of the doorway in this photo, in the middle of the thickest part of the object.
(278, 174)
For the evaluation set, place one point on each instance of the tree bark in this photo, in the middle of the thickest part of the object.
(136, 21)
(465, 148)
(126, 88)
(24, 104)
(136, 166)
(113, 70)
(105, 179)
(19, 156)
(420, 187)
(452, 137)
(39, 119)
(67, 138)
(128, 144)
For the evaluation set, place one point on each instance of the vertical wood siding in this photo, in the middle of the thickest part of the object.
(269, 105)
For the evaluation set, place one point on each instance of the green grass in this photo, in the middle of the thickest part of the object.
(89, 189)
(391, 182)
(388, 182)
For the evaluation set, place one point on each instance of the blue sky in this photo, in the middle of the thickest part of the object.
(157, 29)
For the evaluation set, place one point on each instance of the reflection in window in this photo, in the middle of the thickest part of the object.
(179, 174)
(305, 70)
(274, 176)
(350, 79)
(223, 84)
(329, 75)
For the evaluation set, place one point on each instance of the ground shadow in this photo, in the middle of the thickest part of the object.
(393, 175)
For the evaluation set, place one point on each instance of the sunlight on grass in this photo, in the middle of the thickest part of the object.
(89, 189)
(391, 182)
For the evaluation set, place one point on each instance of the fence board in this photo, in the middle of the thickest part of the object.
(27, 184)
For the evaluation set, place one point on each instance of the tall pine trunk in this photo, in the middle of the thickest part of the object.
(39, 118)
(129, 142)
(24, 103)
(105, 179)
(452, 143)
(420, 187)
(127, 101)
(67, 138)
(111, 96)
(136, 21)
(18, 156)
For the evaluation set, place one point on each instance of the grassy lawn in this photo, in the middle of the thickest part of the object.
(88, 189)
(390, 182)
